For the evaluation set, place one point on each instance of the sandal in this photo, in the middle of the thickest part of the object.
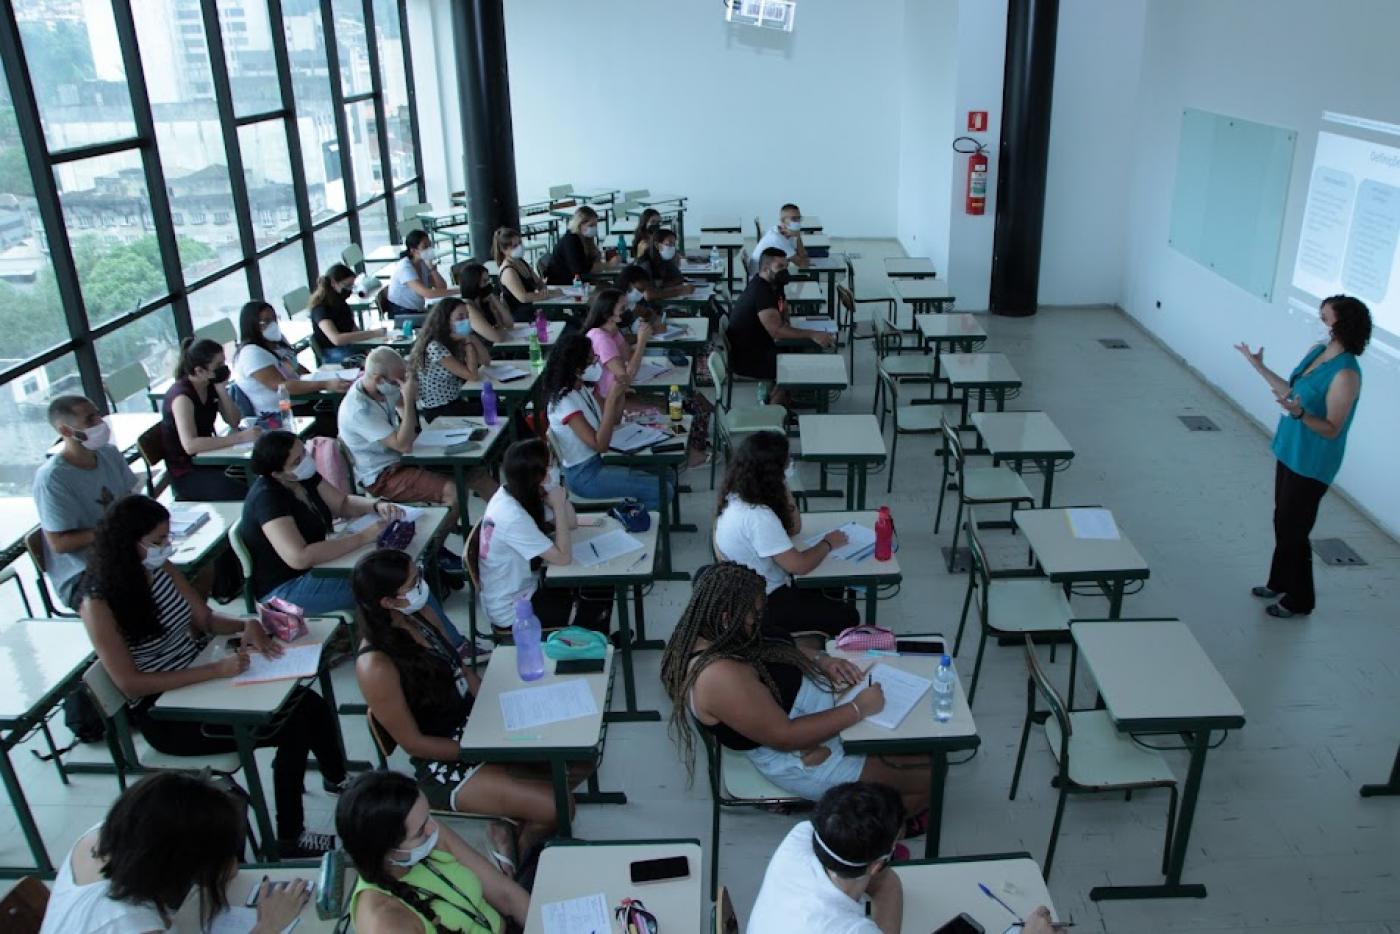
(1264, 593)
(1279, 611)
(506, 864)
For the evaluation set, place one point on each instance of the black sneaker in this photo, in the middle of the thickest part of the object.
(309, 845)
(1264, 593)
(335, 788)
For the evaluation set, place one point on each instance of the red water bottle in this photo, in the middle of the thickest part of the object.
(884, 535)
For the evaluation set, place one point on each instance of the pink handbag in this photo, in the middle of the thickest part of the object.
(860, 638)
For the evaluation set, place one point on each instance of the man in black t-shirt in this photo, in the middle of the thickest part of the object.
(761, 318)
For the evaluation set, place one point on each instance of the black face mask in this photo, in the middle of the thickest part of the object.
(781, 278)
(627, 319)
(222, 374)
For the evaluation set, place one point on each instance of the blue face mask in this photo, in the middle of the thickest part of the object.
(461, 328)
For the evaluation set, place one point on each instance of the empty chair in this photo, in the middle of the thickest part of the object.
(975, 485)
(125, 382)
(151, 445)
(897, 361)
(410, 224)
(846, 302)
(222, 331)
(906, 419)
(1091, 754)
(296, 301)
(1009, 602)
(731, 420)
(413, 210)
(354, 257)
(636, 196)
(559, 192)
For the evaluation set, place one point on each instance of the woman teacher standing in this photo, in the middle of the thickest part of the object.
(1318, 400)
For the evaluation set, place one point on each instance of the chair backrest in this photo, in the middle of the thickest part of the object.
(726, 919)
(542, 266)
(472, 557)
(847, 300)
(718, 364)
(455, 271)
(296, 301)
(560, 191)
(151, 445)
(34, 544)
(952, 450)
(381, 303)
(245, 560)
(1038, 682)
(637, 195)
(354, 257)
(888, 340)
(978, 567)
(889, 398)
(410, 224)
(413, 210)
(22, 909)
(108, 698)
(382, 740)
(758, 228)
(126, 382)
(221, 330)
(745, 263)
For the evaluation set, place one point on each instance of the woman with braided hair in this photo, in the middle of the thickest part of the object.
(415, 873)
(754, 690)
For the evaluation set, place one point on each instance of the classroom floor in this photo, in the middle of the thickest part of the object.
(1281, 838)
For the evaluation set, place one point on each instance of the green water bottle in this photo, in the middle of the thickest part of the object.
(536, 355)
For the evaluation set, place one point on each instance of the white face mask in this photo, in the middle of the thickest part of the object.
(272, 332)
(96, 436)
(668, 253)
(417, 599)
(156, 555)
(633, 297)
(551, 479)
(517, 251)
(589, 231)
(794, 225)
(305, 468)
(390, 391)
(428, 255)
(418, 853)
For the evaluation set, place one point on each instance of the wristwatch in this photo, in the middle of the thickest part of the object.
(1299, 415)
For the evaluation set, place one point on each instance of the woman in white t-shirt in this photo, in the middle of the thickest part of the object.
(415, 278)
(264, 361)
(757, 521)
(582, 430)
(446, 355)
(528, 522)
(169, 837)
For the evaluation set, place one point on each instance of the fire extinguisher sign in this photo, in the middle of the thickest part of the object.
(977, 121)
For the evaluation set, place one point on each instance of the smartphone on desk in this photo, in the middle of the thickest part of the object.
(920, 646)
(962, 924)
(660, 870)
(578, 666)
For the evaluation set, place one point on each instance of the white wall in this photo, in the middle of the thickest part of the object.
(669, 97)
(1098, 57)
(1280, 62)
(928, 68)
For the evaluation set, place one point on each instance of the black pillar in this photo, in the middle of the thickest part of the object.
(1028, 83)
(488, 142)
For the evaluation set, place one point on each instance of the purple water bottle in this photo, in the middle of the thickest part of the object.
(488, 403)
(541, 326)
(529, 658)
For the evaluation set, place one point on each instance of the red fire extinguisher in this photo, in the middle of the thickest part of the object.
(976, 174)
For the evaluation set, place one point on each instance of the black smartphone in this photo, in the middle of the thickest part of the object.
(478, 434)
(659, 870)
(461, 447)
(962, 924)
(578, 666)
(668, 447)
(920, 647)
(234, 643)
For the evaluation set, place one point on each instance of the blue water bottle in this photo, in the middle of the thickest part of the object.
(529, 657)
(488, 403)
(621, 248)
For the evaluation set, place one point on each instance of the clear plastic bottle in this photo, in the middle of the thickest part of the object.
(529, 657)
(943, 680)
(674, 403)
(284, 407)
(488, 403)
(578, 284)
(715, 258)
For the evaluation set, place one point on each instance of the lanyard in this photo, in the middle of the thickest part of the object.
(469, 909)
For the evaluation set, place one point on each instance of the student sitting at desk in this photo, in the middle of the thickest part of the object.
(582, 430)
(415, 278)
(416, 875)
(333, 327)
(603, 328)
(148, 625)
(491, 320)
(577, 253)
(73, 489)
(529, 521)
(647, 224)
(446, 355)
(753, 690)
(786, 235)
(264, 362)
(378, 422)
(287, 522)
(825, 868)
(663, 269)
(420, 692)
(169, 837)
(198, 396)
(761, 319)
(520, 287)
(755, 524)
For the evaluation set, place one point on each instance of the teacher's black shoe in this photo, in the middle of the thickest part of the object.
(1282, 612)
(1264, 593)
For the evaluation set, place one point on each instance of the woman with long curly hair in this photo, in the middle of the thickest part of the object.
(416, 874)
(755, 691)
(421, 693)
(755, 524)
(447, 354)
(148, 626)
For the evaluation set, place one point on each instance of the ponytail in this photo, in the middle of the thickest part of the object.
(195, 354)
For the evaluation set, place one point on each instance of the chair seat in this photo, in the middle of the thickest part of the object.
(919, 418)
(744, 782)
(994, 485)
(1034, 605)
(1101, 757)
(149, 758)
(595, 503)
(908, 366)
(755, 418)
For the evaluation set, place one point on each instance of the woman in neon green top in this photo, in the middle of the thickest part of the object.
(416, 874)
(1318, 401)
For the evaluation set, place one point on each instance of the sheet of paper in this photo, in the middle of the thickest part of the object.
(859, 539)
(442, 437)
(358, 523)
(568, 699)
(184, 520)
(650, 370)
(585, 915)
(332, 372)
(603, 548)
(502, 372)
(411, 513)
(297, 661)
(902, 692)
(824, 324)
(1092, 523)
(633, 437)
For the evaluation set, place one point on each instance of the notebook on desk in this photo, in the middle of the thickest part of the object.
(633, 437)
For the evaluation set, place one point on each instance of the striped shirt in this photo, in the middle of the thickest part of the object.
(174, 648)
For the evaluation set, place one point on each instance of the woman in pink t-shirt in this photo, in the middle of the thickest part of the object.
(619, 359)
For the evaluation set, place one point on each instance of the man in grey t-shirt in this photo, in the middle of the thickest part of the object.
(74, 488)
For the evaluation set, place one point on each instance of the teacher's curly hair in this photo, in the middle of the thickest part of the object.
(1353, 326)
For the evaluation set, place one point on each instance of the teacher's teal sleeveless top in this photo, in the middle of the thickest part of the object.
(1298, 447)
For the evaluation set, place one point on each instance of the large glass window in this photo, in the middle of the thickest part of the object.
(364, 150)
(221, 298)
(76, 70)
(350, 46)
(398, 125)
(150, 341)
(267, 171)
(23, 419)
(374, 226)
(320, 149)
(330, 243)
(252, 68)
